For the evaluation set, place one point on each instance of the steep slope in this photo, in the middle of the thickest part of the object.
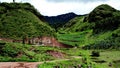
(60, 20)
(18, 20)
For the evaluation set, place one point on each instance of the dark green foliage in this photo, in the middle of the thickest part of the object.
(110, 23)
(95, 54)
(18, 52)
(25, 6)
(101, 12)
(105, 18)
(60, 20)
(113, 42)
(9, 50)
(18, 20)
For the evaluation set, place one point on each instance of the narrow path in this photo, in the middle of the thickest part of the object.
(27, 64)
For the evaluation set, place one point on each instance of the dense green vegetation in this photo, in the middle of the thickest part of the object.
(101, 12)
(76, 25)
(103, 25)
(75, 39)
(67, 64)
(23, 52)
(106, 59)
(99, 31)
(19, 20)
(58, 21)
(95, 36)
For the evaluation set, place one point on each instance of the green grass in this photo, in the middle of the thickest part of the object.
(38, 53)
(66, 64)
(77, 38)
(23, 52)
(109, 56)
(20, 20)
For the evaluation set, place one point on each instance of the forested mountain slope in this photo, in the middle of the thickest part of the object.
(60, 20)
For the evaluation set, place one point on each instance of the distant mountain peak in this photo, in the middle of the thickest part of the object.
(60, 20)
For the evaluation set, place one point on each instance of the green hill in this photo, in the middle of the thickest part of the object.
(76, 25)
(104, 17)
(100, 12)
(18, 20)
(99, 29)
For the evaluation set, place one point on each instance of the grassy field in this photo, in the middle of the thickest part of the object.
(83, 38)
(74, 39)
(67, 64)
(106, 58)
(38, 53)
(111, 57)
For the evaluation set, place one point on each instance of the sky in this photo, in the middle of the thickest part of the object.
(57, 7)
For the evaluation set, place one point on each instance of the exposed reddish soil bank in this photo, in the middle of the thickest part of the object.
(45, 41)
(19, 64)
(56, 54)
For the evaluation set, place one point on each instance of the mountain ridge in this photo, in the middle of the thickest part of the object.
(60, 20)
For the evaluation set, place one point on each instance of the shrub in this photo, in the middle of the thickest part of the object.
(95, 54)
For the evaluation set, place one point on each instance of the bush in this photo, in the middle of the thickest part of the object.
(95, 54)
(9, 50)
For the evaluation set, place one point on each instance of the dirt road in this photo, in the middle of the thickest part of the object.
(19, 64)
(26, 64)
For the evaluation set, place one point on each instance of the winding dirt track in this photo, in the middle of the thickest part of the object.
(27, 64)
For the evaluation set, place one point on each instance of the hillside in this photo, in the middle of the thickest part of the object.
(87, 41)
(18, 20)
(99, 29)
(60, 20)
(75, 25)
(104, 17)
